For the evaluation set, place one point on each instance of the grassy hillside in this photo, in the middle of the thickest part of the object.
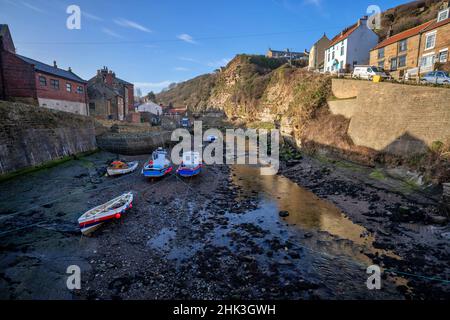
(408, 15)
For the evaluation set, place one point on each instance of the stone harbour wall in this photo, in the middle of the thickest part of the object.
(393, 118)
(31, 135)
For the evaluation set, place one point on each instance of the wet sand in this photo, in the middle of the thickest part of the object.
(216, 236)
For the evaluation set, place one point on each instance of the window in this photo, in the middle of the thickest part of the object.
(381, 53)
(394, 64)
(43, 81)
(443, 56)
(381, 64)
(430, 41)
(54, 83)
(403, 46)
(342, 49)
(443, 15)
(402, 61)
(91, 108)
(427, 61)
(80, 89)
(68, 87)
(332, 55)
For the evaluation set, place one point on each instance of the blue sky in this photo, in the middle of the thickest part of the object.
(153, 43)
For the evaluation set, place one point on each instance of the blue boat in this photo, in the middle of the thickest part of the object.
(158, 166)
(191, 165)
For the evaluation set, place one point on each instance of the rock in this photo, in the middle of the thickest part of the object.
(283, 214)
(438, 219)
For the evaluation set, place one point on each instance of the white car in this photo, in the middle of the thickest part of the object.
(368, 72)
(436, 77)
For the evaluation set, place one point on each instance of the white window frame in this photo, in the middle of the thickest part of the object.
(434, 33)
(446, 12)
(439, 56)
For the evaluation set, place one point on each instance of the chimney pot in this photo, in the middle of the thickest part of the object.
(54, 64)
(70, 69)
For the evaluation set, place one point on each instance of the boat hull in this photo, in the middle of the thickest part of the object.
(89, 223)
(189, 172)
(115, 172)
(156, 173)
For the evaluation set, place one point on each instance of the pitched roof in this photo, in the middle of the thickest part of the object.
(343, 35)
(436, 24)
(403, 35)
(123, 81)
(40, 66)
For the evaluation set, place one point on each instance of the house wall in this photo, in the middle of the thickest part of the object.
(391, 51)
(19, 83)
(130, 106)
(31, 136)
(442, 41)
(360, 42)
(394, 118)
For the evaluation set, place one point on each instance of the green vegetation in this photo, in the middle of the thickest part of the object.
(48, 165)
(377, 174)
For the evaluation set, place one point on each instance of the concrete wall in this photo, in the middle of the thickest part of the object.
(64, 105)
(31, 136)
(395, 118)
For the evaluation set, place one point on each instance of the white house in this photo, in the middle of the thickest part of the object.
(351, 47)
(150, 107)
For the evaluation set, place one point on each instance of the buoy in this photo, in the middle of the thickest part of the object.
(131, 205)
(118, 215)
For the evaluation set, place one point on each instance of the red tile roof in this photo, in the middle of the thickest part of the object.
(344, 35)
(403, 35)
(436, 24)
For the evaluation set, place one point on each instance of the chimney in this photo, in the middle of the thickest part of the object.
(70, 69)
(54, 64)
(363, 19)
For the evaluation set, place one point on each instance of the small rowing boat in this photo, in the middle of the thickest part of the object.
(120, 167)
(110, 210)
(191, 165)
(158, 166)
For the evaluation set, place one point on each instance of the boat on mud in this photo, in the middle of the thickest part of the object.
(191, 165)
(120, 167)
(158, 166)
(113, 209)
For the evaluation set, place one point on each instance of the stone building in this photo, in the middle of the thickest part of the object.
(110, 97)
(317, 54)
(416, 50)
(289, 55)
(36, 83)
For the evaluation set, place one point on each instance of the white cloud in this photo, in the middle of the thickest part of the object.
(218, 63)
(90, 16)
(153, 86)
(32, 7)
(180, 69)
(131, 24)
(186, 38)
(111, 33)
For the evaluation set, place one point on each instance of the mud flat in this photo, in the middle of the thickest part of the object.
(217, 236)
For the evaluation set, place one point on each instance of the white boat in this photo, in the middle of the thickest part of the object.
(119, 167)
(113, 209)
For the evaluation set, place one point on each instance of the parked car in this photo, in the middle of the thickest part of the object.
(436, 77)
(368, 72)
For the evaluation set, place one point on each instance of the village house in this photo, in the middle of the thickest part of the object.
(317, 54)
(34, 82)
(351, 47)
(110, 97)
(289, 55)
(422, 46)
(151, 107)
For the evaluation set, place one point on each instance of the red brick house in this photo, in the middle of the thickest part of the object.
(33, 82)
(109, 96)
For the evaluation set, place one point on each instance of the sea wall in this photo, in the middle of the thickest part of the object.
(393, 118)
(31, 136)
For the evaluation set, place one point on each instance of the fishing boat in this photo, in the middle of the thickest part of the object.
(120, 167)
(191, 165)
(211, 138)
(110, 210)
(158, 166)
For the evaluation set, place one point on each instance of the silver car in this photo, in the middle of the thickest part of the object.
(436, 77)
